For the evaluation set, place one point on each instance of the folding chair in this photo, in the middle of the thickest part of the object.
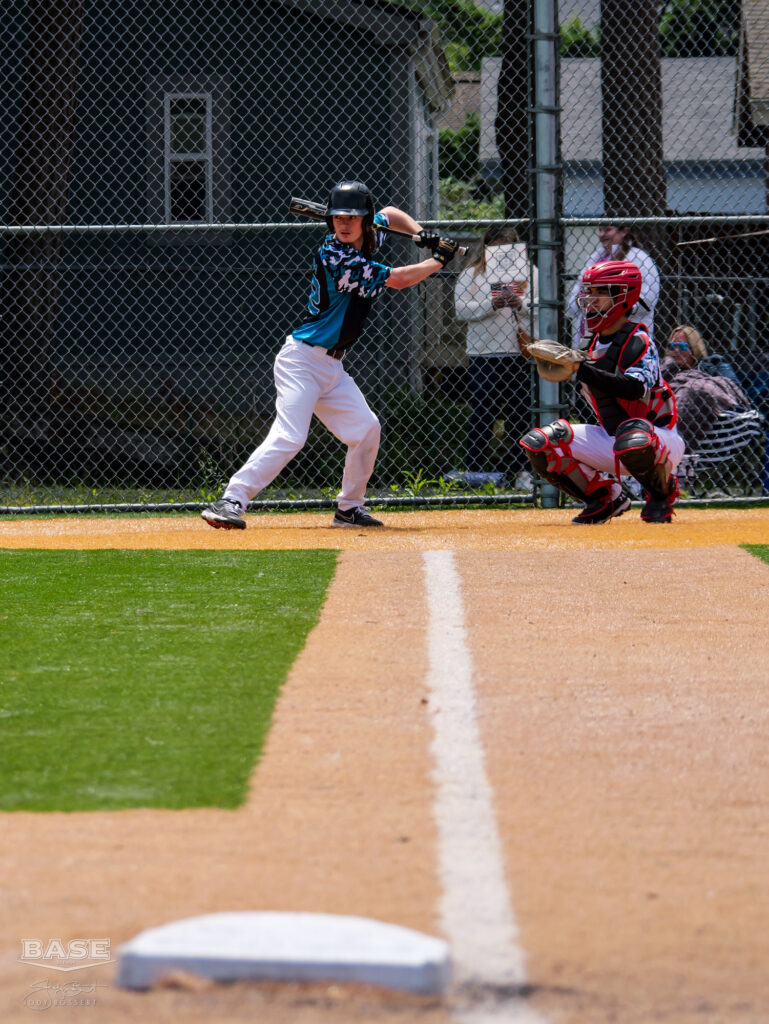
(730, 455)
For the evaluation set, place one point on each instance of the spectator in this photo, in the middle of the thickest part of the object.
(704, 385)
(685, 347)
(617, 243)
(495, 295)
(688, 349)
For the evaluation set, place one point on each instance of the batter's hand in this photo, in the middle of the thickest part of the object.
(428, 239)
(445, 251)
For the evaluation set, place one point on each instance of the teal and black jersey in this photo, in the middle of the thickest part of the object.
(344, 282)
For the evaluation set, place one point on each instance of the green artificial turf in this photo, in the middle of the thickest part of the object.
(145, 678)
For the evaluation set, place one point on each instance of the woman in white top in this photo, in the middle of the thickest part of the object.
(617, 243)
(496, 295)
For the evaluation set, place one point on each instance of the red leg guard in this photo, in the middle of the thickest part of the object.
(549, 451)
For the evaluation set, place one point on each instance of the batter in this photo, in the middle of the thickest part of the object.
(309, 375)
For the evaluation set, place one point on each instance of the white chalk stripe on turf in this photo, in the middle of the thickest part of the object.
(476, 912)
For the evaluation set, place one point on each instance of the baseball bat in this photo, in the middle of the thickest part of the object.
(317, 211)
(724, 238)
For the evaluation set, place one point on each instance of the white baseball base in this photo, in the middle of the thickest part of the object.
(290, 947)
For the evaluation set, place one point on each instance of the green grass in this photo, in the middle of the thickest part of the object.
(759, 550)
(145, 678)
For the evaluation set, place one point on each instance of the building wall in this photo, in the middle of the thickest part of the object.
(707, 172)
(205, 313)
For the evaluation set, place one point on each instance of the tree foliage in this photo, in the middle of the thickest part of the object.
(700, 28)
(469, 32)
(461, 200)
(458, 150)
(577, 40)
(688, 28)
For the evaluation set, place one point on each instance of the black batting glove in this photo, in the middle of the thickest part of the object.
(428, 239)
(445, 251)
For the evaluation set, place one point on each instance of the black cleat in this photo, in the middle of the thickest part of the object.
(602, 508)
(224, 514)
(354, 517)
(660, 510)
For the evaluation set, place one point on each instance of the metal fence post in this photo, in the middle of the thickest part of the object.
(546, 173)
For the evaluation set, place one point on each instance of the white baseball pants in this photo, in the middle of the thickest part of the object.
(307, 381)
(595, 448)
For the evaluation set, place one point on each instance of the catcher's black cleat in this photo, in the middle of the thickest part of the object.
(354, 517)
(224, 514)
(602, 508)
(660, 510)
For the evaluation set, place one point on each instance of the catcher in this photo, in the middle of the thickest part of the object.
(636, 434)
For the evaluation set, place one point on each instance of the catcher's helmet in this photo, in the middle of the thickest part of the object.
(351, 199)
(623, 279)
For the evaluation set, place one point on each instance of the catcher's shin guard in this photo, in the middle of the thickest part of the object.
(549, 452)
(639, 450)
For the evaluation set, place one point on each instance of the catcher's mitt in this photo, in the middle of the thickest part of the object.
(554, 361)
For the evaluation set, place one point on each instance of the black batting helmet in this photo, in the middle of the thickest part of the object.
(351, 199)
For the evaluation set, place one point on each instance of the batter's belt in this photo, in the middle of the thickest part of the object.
(335, 353)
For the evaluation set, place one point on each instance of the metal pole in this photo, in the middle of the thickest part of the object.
(546, 182)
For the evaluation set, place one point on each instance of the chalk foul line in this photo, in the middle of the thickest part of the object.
(476, 912)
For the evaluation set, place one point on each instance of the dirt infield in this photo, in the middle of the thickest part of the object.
(406, 531)
(628, 762)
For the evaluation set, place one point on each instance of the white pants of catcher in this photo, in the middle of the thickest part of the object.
(307, 381)
(594, 447)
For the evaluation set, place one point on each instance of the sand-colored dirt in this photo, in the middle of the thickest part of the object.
(632, 776)
(628, 760)
(498, 530)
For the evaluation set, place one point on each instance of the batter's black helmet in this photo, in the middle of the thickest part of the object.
(352, 199)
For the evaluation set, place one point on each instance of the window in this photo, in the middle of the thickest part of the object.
(188, 142)
(188, 168)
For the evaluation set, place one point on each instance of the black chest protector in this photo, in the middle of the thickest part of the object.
(626, 348)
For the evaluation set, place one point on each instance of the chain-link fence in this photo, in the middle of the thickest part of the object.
(150, 269)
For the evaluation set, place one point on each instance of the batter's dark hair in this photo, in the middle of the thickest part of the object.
(370, 241)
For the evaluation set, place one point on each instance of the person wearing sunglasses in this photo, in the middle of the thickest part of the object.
(687, 350)
(704, 385)
(686, 347)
